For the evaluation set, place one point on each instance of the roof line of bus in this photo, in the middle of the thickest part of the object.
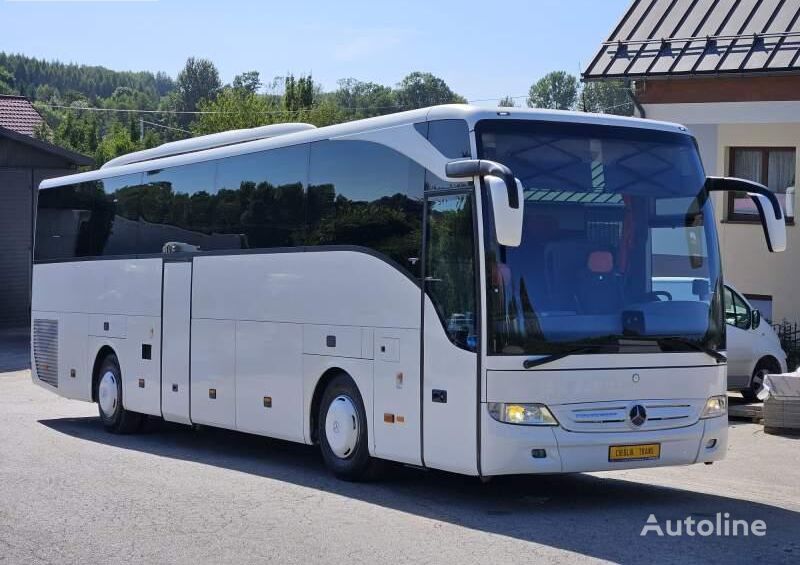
(471, 114)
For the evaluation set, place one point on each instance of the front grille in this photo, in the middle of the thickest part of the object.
(614, 416)
(45, 350)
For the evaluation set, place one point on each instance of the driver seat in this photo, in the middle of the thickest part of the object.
(599, 287)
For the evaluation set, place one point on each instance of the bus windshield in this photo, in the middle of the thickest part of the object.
(610, 212)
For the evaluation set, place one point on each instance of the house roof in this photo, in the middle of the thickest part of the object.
(667, 38)
(71, 156)
(18, 114)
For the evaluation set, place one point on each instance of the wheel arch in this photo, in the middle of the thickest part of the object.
(764, 359)
(102, 353)
(316, 398)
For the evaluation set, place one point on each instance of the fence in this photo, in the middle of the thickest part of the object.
(789, 334)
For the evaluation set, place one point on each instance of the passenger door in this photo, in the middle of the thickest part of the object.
(450, 378)
(739, 339)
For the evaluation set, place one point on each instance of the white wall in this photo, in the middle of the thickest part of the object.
(718, 127)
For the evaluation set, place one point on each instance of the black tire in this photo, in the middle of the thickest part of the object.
(763, 367)
(116, 419)
(356, 464)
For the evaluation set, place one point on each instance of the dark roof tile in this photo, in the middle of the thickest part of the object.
(18, 114)
(750, 35)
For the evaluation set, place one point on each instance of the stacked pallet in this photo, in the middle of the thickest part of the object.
(782, 405)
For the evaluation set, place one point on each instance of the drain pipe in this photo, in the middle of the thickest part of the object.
(632, 96)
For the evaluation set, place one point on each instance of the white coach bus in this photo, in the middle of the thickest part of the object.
(458, 288)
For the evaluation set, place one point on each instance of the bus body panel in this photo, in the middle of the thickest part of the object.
(128, 287)
(213, 372)
(141, 377)
(506, 449)
(72, 354)
(114, 303)
(269, 379)
(176, 323)
(597, 381)
(450, 423)
(340, 288)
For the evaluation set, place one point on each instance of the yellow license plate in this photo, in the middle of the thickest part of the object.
(641, 452)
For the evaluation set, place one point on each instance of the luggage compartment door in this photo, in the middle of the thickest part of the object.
(176, 334)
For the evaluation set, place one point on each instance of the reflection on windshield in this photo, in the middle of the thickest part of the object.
(610, 214)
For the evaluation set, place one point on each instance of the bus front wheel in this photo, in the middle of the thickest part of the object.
(109, 399)
(342, 431)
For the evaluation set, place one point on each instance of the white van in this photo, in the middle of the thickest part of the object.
(753, 347)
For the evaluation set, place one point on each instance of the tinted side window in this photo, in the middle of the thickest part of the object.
(86, 220)
(366, 194)
(450, 266)
(450, 137)
(178, 205)
(260, 196)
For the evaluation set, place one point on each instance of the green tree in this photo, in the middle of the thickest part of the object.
(115, 143)
(357, 99)
(506, 102)
(234, 109)
(78, 130)
(607, 97)
(199, 80)
(298, 93)
(248, 82)
(418, 90)
(557, 90)
(6, 81)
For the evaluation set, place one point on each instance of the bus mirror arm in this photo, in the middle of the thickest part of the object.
(504, 192)
(465, 168)
(769, 209)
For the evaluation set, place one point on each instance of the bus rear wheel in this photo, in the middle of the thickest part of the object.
(342, 431)
(109, 399)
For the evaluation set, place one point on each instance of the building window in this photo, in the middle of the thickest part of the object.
(773, 167)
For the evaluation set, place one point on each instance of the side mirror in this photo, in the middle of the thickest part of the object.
(507, 220)
(504, 190)
(769, 209)
(755, 319)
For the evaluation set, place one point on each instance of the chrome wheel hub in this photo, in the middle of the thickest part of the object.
(107, 394)
(341, 426)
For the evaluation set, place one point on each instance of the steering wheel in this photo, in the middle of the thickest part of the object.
(658, 293)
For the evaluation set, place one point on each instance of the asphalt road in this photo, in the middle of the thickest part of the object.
(70, 493)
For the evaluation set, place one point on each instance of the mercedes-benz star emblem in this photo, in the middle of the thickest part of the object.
(638, 415)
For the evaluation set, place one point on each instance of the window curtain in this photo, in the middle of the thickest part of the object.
(747, 164)
(781, 173)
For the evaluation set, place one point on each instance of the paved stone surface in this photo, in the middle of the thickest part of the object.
(72, 493)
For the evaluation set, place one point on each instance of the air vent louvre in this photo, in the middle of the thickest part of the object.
(45, 350)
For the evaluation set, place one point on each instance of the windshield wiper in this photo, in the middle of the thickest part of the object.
(716, 355)
(532, 362)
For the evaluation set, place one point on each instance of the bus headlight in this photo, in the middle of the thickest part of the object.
(715, 406)
(525, 414)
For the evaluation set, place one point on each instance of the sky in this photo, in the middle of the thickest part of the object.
(483, 50)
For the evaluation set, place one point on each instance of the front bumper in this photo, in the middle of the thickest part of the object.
(506, 449)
